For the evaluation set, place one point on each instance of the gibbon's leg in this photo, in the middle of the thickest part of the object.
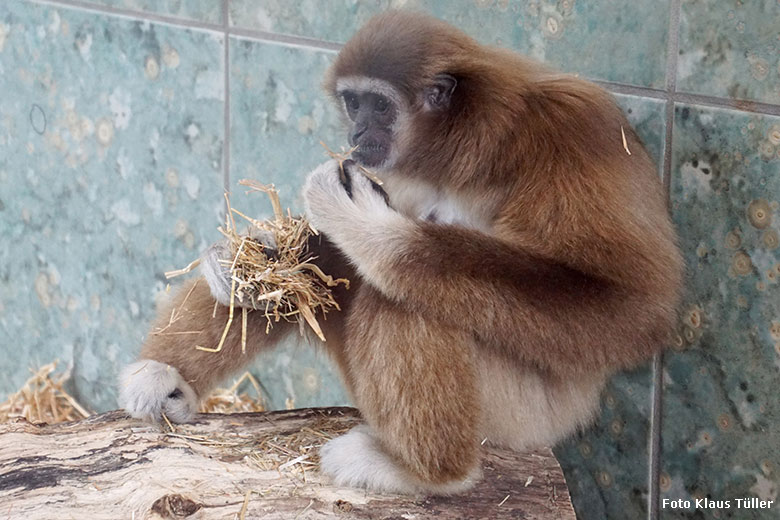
(524, 408)
(414, 382)
(171, 374)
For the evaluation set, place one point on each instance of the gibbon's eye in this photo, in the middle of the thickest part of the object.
(351, 102)
(382, 105)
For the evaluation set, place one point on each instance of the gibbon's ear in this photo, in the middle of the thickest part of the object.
(438, 95)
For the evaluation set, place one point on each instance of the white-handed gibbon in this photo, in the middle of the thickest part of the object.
(518, 257)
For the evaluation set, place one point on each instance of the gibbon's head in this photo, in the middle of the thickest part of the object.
(398, 74)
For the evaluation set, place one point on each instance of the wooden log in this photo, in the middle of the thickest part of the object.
(257, 465)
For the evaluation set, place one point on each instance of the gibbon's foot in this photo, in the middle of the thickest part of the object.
(356, 459)
(216, 273)
(148, 389)
(215, 265)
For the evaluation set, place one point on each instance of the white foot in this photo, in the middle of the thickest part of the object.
(217, 273)
(147, 389)
(356, 460)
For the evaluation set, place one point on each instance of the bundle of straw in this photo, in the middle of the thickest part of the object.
(280, 281)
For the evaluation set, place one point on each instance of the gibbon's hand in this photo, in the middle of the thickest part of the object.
(349, 170)
(215, 266)
(334, 205)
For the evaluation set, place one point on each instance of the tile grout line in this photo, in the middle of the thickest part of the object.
(741, 105)
(654, 455)
(673, 48)
(82, 5)
(299, 41)
(631, 90)
(261, 36)
(704, 100)
(226, 114)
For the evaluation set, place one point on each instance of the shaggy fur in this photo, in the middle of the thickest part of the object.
(523, 258)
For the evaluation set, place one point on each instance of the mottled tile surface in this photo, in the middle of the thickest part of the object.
(109, 174)
(333, 21)
(648, 118)
(730, 49)
(721, 404)
(197, 10)
(607, 466)
(279, 114)
(612, 40)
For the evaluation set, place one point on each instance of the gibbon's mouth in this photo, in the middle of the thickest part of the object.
(370, 155)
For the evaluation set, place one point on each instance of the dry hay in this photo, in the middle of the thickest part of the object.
(282, 282)
(43, 400)
(294, 452)
(229, 400)
(345, 154)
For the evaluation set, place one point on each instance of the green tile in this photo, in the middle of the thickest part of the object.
(730, 49)
(279, 115)
(606, 467)
(209, 11)
(110, 175)
(332, 20)
(648, 117)
(721, 406)
(612, 40)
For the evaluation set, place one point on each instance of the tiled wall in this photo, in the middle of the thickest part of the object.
(122, 121)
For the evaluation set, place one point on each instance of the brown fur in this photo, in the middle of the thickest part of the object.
(507, 334)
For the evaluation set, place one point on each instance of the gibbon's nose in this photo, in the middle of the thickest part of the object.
(359, 130)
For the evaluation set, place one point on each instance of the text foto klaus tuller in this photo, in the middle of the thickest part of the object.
(708, 503)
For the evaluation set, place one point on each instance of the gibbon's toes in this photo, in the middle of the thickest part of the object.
(356, 460)
(366, 193)
(148, 389)
(216, 273)
(265, 237)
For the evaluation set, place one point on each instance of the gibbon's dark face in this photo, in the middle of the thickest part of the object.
(373, 116)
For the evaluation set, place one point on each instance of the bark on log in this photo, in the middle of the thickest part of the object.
(258, 465)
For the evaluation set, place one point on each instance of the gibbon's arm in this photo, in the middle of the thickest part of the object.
(558, 317)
